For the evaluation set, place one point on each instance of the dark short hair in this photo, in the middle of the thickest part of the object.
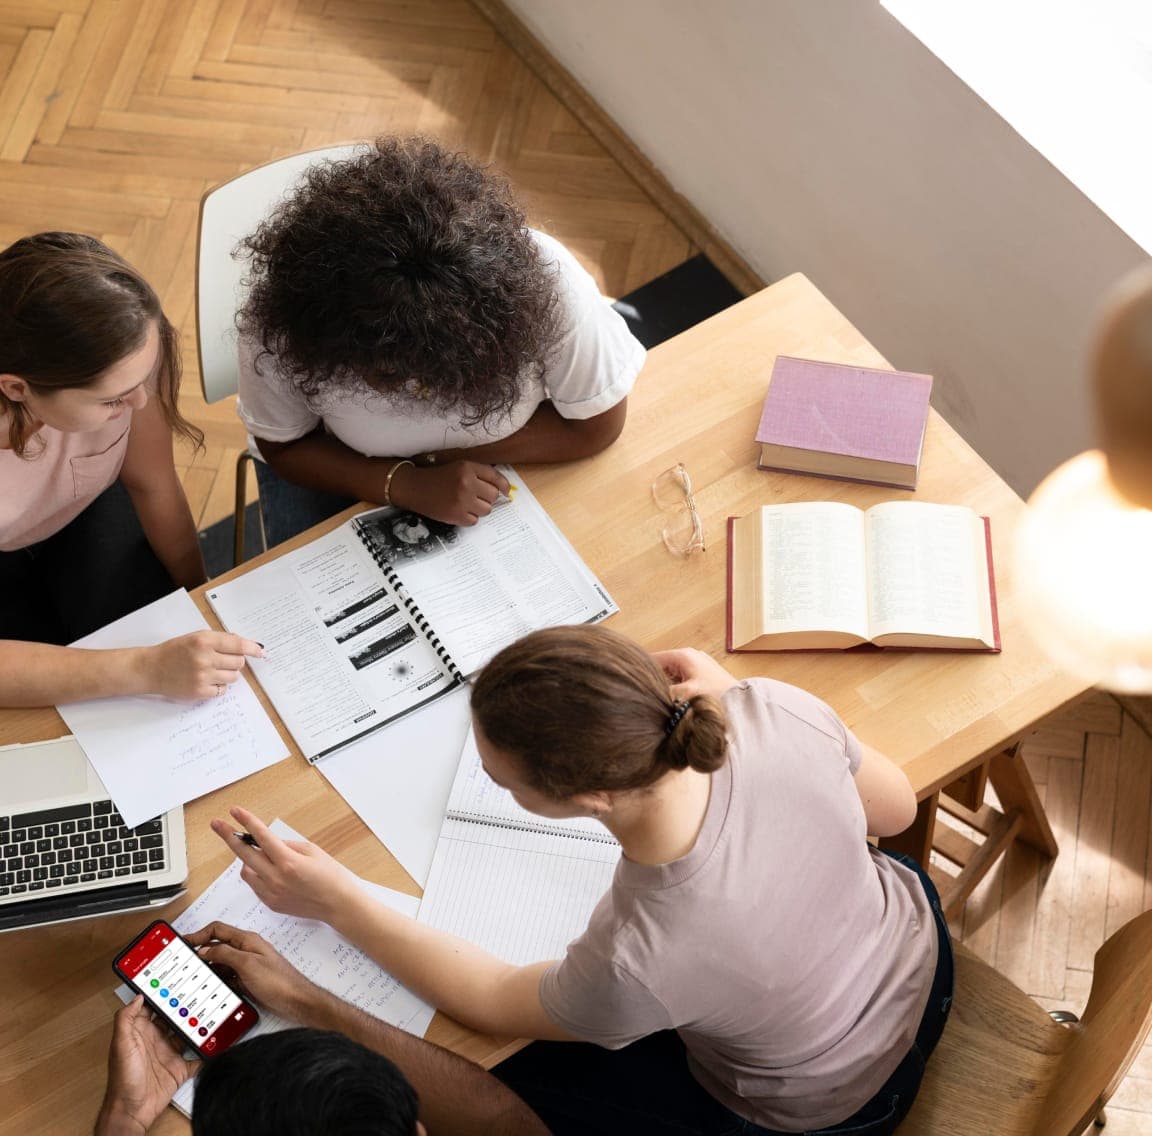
(405, 263)
(302, 1082)
(70, 308)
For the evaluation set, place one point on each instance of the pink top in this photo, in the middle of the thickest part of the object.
(57, 479)
(794, 960)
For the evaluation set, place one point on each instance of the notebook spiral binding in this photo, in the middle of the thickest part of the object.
(525, 826)
(413, 609)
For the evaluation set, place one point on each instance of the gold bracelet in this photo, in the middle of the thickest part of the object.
(391, 474)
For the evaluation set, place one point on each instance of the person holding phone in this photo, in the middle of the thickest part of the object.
(343, 1071)
(404, 331)
(93, 520)
(756, 967)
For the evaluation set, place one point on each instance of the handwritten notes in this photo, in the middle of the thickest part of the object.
(314, 949)
(154, 754)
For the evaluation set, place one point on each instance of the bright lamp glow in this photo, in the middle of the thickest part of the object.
(1084, 575)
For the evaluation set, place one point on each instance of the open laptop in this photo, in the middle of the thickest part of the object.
(65, 852)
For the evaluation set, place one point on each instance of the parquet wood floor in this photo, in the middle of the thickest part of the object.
(116, 115)
(1040, 922)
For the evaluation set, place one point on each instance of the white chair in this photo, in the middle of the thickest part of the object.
(228, 213)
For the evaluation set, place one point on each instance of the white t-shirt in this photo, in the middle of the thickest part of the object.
(593, 367)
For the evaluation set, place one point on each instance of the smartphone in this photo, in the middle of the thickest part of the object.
(192, 998)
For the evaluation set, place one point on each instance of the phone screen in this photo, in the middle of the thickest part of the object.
(208, 1013)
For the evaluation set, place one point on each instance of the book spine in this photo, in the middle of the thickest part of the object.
(413, 608)
(528, 826)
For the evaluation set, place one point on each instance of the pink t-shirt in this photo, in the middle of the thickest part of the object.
(793, 959)
(60, 475)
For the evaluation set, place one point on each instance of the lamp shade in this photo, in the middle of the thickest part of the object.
(1084, 575)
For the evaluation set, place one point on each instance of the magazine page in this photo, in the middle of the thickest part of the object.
(342, 654)
(484, 586)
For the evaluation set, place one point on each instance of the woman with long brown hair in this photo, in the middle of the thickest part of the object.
(93, 519)
(756, 967)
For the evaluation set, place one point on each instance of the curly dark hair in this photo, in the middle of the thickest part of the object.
(403, 264)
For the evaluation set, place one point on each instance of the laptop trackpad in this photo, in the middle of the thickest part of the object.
(43, 771)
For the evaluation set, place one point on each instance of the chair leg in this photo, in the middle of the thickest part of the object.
(240, 509)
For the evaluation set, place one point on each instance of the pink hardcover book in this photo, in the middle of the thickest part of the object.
(838, 420)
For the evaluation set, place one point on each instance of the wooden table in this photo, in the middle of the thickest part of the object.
(698, 402)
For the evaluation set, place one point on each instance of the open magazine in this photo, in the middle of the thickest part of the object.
(392, 610)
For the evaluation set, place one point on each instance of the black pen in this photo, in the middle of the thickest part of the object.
(248, 839)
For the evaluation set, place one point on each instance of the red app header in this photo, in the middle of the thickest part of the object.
(135, 960)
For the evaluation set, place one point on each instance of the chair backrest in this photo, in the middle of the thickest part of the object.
(228, 213)
(1114, 1026)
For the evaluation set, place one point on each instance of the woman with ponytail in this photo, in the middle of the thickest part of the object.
(756, 967)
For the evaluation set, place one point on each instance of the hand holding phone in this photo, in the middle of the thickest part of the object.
(206, 1012)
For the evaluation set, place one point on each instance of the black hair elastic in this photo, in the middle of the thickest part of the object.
(679, 709)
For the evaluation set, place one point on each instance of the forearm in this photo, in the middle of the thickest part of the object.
(39, 674)
(546, 437)
(456, 1096)
(167, 523)
(114, 1121)
(455, 976)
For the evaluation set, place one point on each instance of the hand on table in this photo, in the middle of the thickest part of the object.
(261, 969)
(294, 877)
(195, 666)
(458, 492)
(144, 1070)
(692, 672)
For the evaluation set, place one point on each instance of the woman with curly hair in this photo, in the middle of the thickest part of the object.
(93, 519)
(404, 330)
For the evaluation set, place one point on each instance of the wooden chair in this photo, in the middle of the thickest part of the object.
(1005, 1068)
(228, 213)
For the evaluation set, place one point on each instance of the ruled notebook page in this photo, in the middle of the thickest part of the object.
(519, 885)
(523, 896)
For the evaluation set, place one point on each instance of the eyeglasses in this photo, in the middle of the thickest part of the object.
(672, 491)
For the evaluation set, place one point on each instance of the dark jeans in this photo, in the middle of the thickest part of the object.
(583, 1090)
(94, 570)
(289, 509)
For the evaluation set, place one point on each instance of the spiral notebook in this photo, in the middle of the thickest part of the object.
(392, 610)
(519, 885)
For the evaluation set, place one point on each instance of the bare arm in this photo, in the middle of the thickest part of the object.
(461, 485)
(457, 1097)
(465, 981)
(885, 792)
(149, 475)
(189, 668)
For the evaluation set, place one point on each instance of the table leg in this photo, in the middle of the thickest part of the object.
(1016, 790)
(916, 839)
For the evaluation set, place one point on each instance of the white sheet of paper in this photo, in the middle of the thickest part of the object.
(398, 779)
(313, 948)
(154, 754)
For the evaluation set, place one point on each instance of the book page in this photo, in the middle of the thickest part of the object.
(928, 571)
(482, 587)
(813, 568)
(475, 796)
(342, 656)
(523, 896)
(313, 948)
(154, 754)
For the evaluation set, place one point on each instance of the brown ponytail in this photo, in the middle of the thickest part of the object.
(585, 709)
(70, 308)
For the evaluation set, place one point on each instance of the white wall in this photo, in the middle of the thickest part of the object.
(820, 136)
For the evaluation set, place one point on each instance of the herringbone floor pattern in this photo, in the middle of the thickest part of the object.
(1040, 922)
(116, 115)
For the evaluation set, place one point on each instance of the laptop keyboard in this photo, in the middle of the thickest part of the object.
(75, 844)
